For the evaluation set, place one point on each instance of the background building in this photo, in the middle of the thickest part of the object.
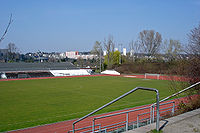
(72, 54)
(124, 51)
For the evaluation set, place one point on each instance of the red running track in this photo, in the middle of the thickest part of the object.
(55, 77)
(161, 77)
(176, 78)
(63, 127)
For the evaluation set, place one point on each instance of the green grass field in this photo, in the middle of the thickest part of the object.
(27, 103)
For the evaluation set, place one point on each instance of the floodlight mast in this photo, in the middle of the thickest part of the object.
(100, 60)
(120, 97)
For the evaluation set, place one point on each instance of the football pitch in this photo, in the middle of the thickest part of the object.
(27, 103)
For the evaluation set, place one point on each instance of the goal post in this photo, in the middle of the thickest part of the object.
(152, 75)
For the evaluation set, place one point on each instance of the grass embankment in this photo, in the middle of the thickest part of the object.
(33, 102)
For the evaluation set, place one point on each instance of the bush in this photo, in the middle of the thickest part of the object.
(144, 67)
(192, 104)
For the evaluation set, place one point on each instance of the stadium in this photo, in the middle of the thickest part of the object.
(39, 96)
(99, 66)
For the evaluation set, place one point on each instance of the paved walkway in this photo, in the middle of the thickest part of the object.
(185, 123)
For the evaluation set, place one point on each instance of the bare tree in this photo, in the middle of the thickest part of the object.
(194, 51)
(150, 42)
(190, 69)
(172, 49)
(109, 46)
(13, 51)
(12, 48)
(134, 48)
(6, 30)
(194, 41)
(97, 50)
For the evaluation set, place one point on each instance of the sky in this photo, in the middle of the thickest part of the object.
(75, 25)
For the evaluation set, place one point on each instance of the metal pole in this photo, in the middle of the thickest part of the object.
(180, 92)
(150, 89)
(127, 121)
(153, 112)
(100, 59)
(120, 58)
(150, 114)
(137, 121)
(73, 128)
(158, 114)
(113, 101)
(100, 128)
(93, 126)
(173, 108)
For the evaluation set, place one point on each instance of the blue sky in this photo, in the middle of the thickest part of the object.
(65, 25)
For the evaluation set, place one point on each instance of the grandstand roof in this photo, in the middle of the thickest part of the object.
(22, 66)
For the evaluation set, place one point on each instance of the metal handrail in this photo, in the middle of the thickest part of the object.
(121, 113)
(120, 97)
(132, 110)
(113, 124)
(84, 128)
(179, 92)
(125, 112)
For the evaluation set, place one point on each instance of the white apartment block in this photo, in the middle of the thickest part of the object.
(124, 51)
(72, 54)
(75, 55)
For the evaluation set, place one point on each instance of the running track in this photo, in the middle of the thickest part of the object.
(63, 127)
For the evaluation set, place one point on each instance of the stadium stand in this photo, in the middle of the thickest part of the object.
(22, 66)
(28, 74)
(30, 70)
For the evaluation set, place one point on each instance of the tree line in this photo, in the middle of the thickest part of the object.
(148, 43)
(150, 53)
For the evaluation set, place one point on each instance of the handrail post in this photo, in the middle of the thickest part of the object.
(127, 121)
(100, 128)
(158, 114)
(93, 126)
(150, 114)
(173, 108)
(73, 127)
(120, 97)
(153, 112)
(153, 106)
(137, 121)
